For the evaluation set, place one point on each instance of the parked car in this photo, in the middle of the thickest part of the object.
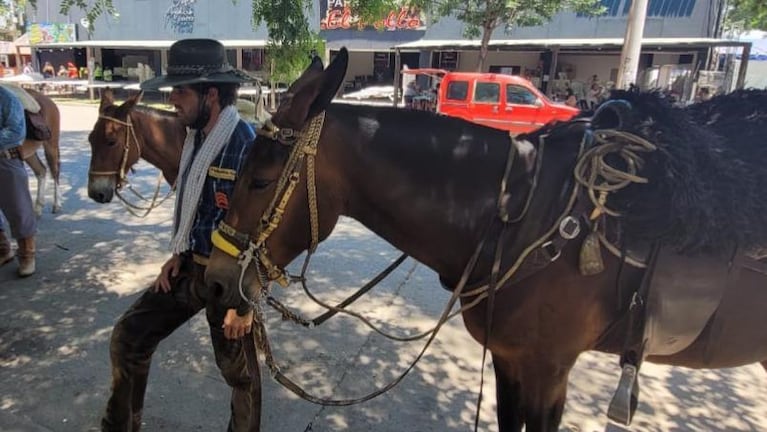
(500, 101)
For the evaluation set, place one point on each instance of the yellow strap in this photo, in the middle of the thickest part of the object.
(224, 245)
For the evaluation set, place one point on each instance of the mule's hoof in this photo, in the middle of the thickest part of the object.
(56, 209)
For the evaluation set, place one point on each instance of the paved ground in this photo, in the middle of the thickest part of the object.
(94, 259)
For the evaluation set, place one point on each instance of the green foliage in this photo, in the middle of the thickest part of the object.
(290, 39)
(92, 8)
(483, 16)
(479, 15)
(743, 15)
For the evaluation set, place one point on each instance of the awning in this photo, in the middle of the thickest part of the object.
(21, 43)
(568, 44)
(145, 44)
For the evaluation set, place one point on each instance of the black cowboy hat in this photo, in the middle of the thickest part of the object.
(193, 61)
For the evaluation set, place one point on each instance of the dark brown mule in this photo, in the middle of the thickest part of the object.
(430, 185)
(123, 134)
(50, 113)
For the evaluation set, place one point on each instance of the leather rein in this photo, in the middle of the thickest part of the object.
(122, 177)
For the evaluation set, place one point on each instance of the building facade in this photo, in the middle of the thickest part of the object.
(144, 29)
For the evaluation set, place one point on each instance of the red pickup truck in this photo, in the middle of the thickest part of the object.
(500, 101)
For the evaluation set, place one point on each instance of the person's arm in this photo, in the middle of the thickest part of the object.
(13, 128)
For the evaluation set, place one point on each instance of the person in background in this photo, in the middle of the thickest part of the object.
(48, 70)
(15, 201)
(411, 91)
(570, 99)
(72, 71)
(28, 69)
(204, 95)
(62, 73)
(98, 72)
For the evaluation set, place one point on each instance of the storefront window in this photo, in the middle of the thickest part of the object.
(252, 59)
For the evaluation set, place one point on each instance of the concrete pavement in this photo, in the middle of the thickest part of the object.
(94, 259)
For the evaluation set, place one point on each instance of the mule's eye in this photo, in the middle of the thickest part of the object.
(111, 143)
(260, 183)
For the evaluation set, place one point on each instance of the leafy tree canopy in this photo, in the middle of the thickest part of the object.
(746, 15)
(482, 17)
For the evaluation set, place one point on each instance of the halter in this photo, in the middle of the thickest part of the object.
(129, 132)
(122, 177)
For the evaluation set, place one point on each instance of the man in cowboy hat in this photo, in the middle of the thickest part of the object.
(204, 94)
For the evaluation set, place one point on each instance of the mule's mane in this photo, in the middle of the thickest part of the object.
(155, 112)
(439, 133)
(706, 191)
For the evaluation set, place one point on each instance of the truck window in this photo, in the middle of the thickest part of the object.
(516, 94)
(457, 90)
(487, 92)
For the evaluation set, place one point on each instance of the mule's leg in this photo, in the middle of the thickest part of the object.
(53, 158)
(508, 397)
(38, 168)
(530, 393)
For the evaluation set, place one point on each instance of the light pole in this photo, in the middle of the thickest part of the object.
(632, 45)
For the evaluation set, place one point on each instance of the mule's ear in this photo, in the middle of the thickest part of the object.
(107, 99)
(332, 80)
(316, 64)
(132, 101)
(613, 114)
(312, 92)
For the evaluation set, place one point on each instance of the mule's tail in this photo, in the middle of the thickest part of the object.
(51, 146)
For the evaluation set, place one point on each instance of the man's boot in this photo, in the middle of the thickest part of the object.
(26, 254)
(6, 253)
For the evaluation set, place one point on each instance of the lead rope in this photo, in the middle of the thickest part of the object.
(262, 342)
(135, 209)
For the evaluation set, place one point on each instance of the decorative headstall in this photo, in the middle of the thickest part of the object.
(248, 249)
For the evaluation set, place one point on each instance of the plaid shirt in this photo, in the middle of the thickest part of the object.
(218, 188)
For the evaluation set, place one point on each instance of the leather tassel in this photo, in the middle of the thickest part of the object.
(591, 261)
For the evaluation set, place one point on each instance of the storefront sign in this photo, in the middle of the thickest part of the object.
(336, 15)
(180, 16)
(51, 32)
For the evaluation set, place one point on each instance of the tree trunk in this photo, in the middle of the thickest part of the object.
(487, 32)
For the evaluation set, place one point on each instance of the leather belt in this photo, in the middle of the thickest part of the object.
(11, 153)
(200, 259)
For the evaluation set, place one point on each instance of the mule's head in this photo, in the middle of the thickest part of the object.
(114, 149)
(258, 185)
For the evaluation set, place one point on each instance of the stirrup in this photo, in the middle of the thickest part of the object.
(624, 401)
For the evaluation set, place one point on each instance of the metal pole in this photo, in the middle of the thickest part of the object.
(272, 95)
(742, 69)
(632, 45)
(397, 67)
(552, 71)
(90, 61)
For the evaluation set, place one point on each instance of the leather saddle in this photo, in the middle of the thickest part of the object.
(680, 294)
(37, 128)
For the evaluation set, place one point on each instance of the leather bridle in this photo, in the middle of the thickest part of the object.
(253, 250)
(122, 178)
(129, 133)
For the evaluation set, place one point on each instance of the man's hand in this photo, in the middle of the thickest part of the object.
(236, 326)
(169, 269)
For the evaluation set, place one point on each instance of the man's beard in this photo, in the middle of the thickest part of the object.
(203, 116)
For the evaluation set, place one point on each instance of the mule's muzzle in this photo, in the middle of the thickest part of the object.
(222, 276)
(101, 189)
